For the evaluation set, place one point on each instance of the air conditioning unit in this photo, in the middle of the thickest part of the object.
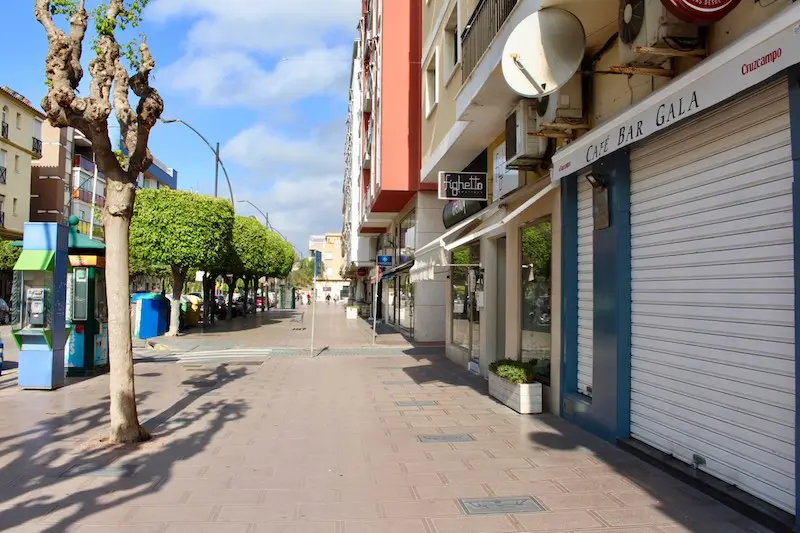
(647, 24)
(524, 148)
(564, 105)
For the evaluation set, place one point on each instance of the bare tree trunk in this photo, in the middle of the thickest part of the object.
(124, 418)
(178, 278)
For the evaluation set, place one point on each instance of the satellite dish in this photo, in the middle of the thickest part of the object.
(543, 52)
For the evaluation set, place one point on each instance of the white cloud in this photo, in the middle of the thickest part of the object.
(319, 152)
(235, 78)
(298, 180)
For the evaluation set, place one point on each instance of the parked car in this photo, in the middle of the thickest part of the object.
(5, 312)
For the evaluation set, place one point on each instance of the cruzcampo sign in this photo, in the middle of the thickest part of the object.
(463, 186)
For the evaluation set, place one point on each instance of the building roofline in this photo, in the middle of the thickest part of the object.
(19, 98)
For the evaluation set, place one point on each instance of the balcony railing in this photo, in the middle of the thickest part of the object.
(4, 129)
(2, 219)
(487, 19)
(36, 146)
(3, 175)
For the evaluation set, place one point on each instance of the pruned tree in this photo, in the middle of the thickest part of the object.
(304, 275)
(8, 255)
(183, 230)
(116, 70)
(253, 247)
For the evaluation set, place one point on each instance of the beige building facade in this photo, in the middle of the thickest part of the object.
(331, 282)
(637, 241)
(20, 145)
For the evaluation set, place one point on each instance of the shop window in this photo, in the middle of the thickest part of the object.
(408, 237)
(537, 246)
(465, 314)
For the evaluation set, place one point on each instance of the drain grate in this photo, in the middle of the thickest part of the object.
(453, 437)
(389, 367)
(420, 403)
(243, 363)
(501, 505)
(399, 382)
(94, 470)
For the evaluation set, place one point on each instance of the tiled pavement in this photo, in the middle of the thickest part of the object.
(323, 445)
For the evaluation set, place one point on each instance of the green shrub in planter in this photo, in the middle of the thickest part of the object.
(517, 372)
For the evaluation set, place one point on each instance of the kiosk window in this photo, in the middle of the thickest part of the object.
(80, 294)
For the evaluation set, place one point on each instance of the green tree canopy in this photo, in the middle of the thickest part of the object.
(252, 245)
(180, 228)
(8, 255)
(537, 247)
(303, 276)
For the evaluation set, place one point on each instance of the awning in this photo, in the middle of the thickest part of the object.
(750, 60)
(488, 230)
(402, 267)
(35, 260)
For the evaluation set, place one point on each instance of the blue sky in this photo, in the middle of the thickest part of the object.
(267, 79)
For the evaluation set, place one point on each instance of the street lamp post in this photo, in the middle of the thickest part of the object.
(218, 161)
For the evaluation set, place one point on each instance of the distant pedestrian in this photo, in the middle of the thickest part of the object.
(328, 299)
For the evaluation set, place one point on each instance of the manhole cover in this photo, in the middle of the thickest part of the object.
(89, 469)
(421, 403)
(203, 383)
(501, 505)
(454, 437)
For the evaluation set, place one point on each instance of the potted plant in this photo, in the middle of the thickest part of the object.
(512, 382)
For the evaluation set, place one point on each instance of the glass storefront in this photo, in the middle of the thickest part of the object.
(405, 305)
(465, 285)
(535, 284)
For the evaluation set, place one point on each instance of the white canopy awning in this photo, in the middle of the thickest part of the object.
(436, 253)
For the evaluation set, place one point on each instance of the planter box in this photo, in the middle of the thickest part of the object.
(525, 399)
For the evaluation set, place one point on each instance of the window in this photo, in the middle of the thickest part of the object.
(464, 280)
(536, 249)
(16, 163)
(329, 256)
(431, 86)
(329, 271)
(451, 44)
(408, 237)
(19, 121)
(3, 158)
(14, 207)
(82, 215)
(5, 113)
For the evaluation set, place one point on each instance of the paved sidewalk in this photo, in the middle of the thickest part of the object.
(284, 329)
(324, 445)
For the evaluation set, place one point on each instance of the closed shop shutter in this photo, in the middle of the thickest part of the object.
(585, 285)
(712, 343)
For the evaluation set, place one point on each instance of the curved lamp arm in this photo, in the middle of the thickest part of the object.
(216, 154)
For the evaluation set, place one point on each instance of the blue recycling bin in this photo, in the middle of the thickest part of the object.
(151, 314)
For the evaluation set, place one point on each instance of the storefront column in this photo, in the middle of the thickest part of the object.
(430, 297)
(513, 324)
(555, 307)
(794, 120)
(489, 326)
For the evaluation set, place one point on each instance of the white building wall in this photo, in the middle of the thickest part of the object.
(430, 297)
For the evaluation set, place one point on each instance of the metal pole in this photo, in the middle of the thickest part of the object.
(375, 304)
(313, 312)
(216, 172)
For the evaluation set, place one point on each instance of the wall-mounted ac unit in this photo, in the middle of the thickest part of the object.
(524, 148)
(564, 105)
(647, 24)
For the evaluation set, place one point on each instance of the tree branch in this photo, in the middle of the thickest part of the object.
(149, 109)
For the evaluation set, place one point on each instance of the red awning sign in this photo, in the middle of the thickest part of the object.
(700, 12)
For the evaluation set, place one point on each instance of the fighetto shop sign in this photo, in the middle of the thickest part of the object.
(463, 186)
(727, 74)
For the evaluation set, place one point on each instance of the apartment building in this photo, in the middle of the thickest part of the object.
(397, 213)
(20, 146)
(66, 181)
(637, 238)
(331, 282)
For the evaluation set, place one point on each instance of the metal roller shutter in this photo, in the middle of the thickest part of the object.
(712, 267)
(585, 285)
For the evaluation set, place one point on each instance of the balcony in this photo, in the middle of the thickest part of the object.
(3, 175)
(482, 27)
(86, 196)
(2, 219)
(36, 146)
(83, 163)
(4, 130)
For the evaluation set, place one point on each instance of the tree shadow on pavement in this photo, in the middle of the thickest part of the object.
(54, 476)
